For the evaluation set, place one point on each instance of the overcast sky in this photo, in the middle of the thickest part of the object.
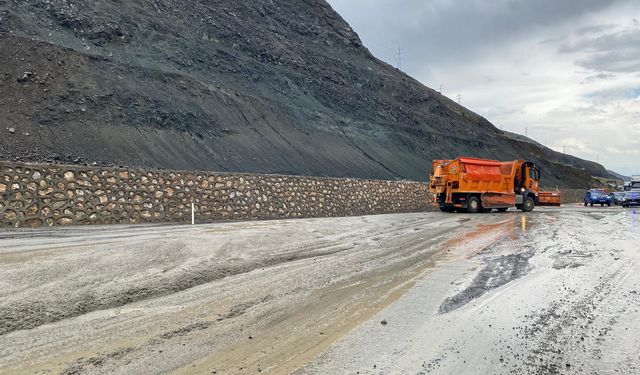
(566, 70)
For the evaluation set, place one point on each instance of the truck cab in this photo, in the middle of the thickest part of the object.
(527, 183)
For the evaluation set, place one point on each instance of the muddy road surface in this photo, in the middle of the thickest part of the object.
(553, 291)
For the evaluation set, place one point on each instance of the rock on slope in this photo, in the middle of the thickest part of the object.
(268, 86)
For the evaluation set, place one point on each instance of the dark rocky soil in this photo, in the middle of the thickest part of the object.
(268, 86)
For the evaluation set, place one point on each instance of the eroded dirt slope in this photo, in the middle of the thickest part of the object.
(268, 86)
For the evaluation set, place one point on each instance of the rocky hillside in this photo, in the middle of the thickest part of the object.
(269, 86)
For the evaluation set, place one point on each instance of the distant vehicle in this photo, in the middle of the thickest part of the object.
(617, 197)
(596, 196)
(631, 198)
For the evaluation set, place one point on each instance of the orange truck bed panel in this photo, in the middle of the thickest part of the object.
(477, 175)
(549, 198)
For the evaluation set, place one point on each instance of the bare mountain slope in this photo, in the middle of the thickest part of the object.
(267, 86)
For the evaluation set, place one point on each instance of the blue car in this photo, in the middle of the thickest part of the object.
(631, 198)
(595, 196)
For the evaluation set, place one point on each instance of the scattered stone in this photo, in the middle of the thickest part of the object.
(384, 322)
(12, 130)
(26, 76)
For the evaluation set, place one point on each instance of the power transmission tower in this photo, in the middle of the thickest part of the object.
(440, 90)
(399, 58)
(564, 149)
(459, 98)
(526, 131)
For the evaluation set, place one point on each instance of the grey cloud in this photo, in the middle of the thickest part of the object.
(615, 61)
(619, 39)
(594, 29)
(608, 48)
(439, 31)
(600, 76)
(615, 51)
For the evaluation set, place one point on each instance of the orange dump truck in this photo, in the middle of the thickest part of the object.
(481, 185)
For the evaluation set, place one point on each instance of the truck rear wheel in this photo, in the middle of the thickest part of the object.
(528, 205)
(473, 205)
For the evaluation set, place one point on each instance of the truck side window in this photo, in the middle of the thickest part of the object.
(532, 174)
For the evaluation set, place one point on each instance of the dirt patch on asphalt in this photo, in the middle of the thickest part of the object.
(498, 271)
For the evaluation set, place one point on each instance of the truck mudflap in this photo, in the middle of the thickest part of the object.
(549, 198)
(498, 200)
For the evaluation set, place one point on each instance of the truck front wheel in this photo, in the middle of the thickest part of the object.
(528, 205)
(473, 205)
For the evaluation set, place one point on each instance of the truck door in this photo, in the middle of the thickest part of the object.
(532, 180)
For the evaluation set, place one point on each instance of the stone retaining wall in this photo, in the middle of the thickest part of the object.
(572, 195)
(49, 195)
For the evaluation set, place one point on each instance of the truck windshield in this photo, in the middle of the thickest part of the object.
(533, 174)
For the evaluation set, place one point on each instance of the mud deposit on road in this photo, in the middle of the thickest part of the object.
(424, 293)
(234, 298)
(548, 297)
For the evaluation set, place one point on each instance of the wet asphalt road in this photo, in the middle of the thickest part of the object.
(553, 291)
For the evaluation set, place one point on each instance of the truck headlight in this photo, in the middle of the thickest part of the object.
(523, 190)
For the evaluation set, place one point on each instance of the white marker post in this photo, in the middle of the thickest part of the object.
(193, 213)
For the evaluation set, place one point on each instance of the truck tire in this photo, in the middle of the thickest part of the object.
(585, 204)
(473, 205)
(528, 205)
